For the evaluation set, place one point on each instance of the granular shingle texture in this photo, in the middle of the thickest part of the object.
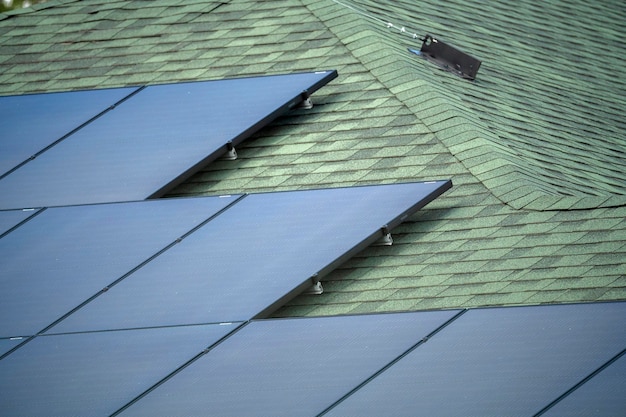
(547, 102)
(535, 146)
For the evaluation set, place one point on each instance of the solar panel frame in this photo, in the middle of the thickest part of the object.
(480, 363)
(441, 187)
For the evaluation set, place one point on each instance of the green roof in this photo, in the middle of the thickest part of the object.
(535, 146)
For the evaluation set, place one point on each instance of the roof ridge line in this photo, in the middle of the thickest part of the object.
(519, 190)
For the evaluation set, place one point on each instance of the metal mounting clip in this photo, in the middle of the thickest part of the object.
(231, 153)
(385, 239)
(316, 288)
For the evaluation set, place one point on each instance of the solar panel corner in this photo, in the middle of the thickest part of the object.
(229, 146)
(436, 189)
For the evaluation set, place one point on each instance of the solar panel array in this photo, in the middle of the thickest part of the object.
(527, 361)
(210, 259)
(92, 374)
(290, 367)
(156, 307)
(143, 142)
(495, 362)
(89, 292)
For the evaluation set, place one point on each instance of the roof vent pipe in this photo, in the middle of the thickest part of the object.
(448, 57)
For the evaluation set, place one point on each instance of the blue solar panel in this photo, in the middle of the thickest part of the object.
(602, 395)
(32, 122)
(496, 362)
(252, 258)
(292, 367)
(11, 218)
(154, 140)
(63, 256)
(8, 344)
(94, 374)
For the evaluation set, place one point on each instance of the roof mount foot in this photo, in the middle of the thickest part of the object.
(231, 153)
(385, 239)
(306, 103)
(315, 288)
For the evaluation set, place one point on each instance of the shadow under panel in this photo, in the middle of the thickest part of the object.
(253, 257)
(288, 367)
(94, 374)
(33, 122)
(65, 255)
(496, 362)
(154, 140)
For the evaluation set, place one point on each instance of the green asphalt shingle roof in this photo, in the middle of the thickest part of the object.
(536, 146)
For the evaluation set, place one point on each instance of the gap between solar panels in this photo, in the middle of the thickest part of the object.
(128, 144)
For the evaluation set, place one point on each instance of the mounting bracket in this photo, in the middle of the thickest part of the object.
(316, 288)
(306, 103)
(385, 239)
(231, 153)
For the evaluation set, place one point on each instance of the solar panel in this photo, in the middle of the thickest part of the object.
(252, 258)
(8, 344)
(94, 374)
(11, 218)
(59, 259)
(33, 122)
(154, 140)
(602, 395)
(495, 362)
(289, 367)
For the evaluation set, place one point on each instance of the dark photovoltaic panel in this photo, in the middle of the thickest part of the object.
(496, 362)
(8, 344)
(57, 260)
(154, 140)
(11, 218)
(258, 252)
(94, 374)
(602, 395)
(289, 367)
(32, 122)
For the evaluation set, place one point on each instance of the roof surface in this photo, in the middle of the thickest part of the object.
(536, 146)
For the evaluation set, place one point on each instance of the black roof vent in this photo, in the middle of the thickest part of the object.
(448, 57)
